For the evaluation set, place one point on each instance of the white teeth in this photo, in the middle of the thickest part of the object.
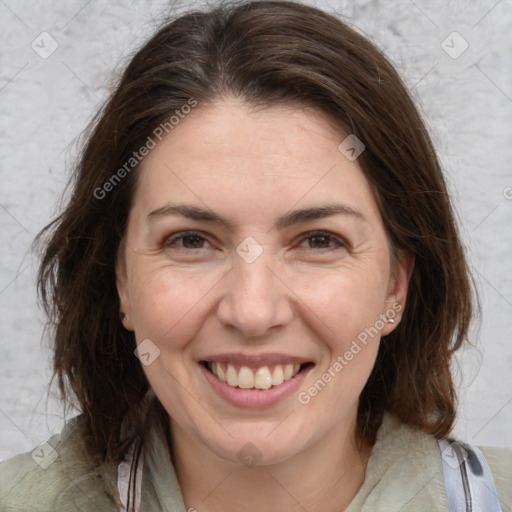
(277, 375)
(245, 378)
(261, 378)
(220, 372)
(288, 371)
(231, 376)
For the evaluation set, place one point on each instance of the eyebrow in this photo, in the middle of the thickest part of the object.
(286, 220)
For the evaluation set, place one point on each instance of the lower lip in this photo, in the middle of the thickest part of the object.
(254, 398)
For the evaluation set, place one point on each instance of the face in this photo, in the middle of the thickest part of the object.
(257, 277)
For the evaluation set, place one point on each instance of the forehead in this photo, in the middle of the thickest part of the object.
(235, 133)
(227, 155)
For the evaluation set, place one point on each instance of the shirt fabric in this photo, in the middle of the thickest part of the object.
(404, 473)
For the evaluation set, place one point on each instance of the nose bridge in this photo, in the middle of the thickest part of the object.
(254, 299)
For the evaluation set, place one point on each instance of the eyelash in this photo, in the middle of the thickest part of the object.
(312, 234)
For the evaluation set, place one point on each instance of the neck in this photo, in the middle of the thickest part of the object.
(324, 477)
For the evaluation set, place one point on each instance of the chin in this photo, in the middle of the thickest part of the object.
(252, 446)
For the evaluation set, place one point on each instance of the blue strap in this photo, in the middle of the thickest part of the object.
(468, 479)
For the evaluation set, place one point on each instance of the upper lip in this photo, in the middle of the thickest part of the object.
(255, 360)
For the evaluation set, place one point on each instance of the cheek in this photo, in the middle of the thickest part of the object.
(344, 311)
(347, 300)
(169, 304)
(169, 309)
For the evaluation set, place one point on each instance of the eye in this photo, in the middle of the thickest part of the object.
(320, 240)
(190, 240)
(187, 240)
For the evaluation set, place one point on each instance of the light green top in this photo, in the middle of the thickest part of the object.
(404, 473)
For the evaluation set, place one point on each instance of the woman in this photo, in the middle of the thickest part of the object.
(257, 286)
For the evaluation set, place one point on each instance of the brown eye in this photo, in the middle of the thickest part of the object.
(189, 240)
(322, 240)
(319, 241)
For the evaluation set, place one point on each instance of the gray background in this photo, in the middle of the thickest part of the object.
(46, 102)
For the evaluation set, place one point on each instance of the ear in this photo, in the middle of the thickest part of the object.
(122, 288)
(401, 272)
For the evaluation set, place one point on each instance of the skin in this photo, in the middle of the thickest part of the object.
(302, 296)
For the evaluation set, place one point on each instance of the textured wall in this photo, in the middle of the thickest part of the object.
(46, 100)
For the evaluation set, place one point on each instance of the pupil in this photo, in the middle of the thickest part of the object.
(322, 239)
(195, 241)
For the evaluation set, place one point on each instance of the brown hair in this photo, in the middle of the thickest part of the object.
(263, 53)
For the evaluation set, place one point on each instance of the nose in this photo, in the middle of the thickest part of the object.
(255, 299)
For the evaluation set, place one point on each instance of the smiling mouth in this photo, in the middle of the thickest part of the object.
(262, 378)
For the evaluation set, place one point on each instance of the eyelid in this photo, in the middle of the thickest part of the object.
(179, 235)
(328, 234)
